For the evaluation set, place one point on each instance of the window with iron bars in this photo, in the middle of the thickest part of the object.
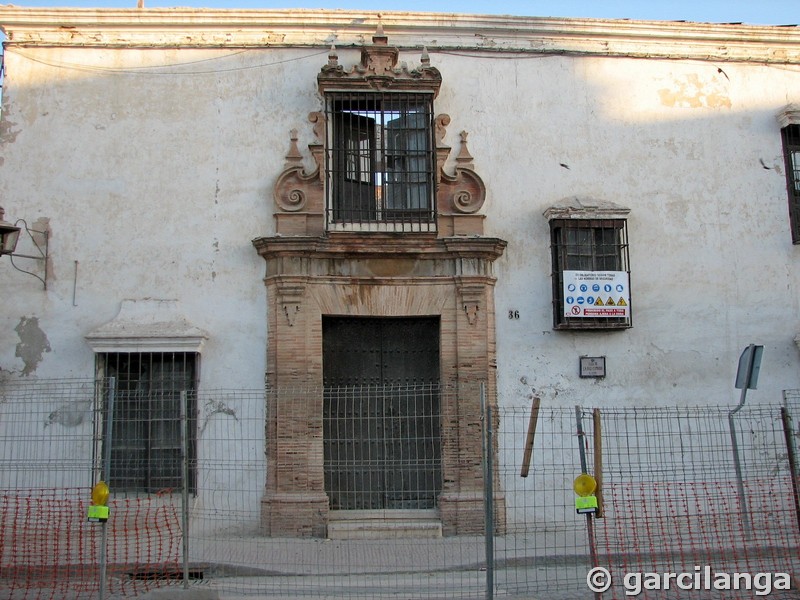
(380, 161)
(587, 245)
(791, 153)
(146, 453)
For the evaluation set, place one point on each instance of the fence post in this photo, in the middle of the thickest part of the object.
(488, 491)
(589, 523)
(185, 486)
(737, 465)
(787, 433)
(598, 461)
(106, 476)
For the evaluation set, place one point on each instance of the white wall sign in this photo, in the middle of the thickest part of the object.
(593, 366)
(596, 294)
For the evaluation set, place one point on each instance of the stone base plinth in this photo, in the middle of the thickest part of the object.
(295, 514)
(463, 513)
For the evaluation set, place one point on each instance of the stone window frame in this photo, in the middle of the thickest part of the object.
(789, 119)
(584, 214)
(151, 327)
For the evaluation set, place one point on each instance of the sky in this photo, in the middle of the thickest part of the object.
(753, 12)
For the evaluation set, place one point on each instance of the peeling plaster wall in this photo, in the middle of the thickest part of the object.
(155, 168)
(154, 186)
(33, 343)
(682, 145)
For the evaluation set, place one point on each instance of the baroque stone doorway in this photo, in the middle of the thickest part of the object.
(416, 276)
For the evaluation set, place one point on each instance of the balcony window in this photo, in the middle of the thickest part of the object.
(380, 162)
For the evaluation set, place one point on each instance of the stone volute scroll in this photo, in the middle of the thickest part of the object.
(462, 193)
(298, 193)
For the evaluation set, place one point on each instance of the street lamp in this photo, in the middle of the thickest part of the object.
(9, 234)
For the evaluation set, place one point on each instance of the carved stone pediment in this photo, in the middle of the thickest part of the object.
(378, 71)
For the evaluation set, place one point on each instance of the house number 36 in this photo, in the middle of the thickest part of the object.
(513, 314)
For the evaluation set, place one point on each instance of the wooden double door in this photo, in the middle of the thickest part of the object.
(381, 412)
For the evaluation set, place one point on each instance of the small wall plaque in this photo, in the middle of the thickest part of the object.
(593, 366)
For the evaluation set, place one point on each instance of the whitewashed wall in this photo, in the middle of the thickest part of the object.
(155, 167)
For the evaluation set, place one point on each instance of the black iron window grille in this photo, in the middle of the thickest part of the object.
(590, 245)
(380, 161)
(791, 152)
(146, 454)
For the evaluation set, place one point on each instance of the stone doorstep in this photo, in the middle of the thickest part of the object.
(374, 527)
(176, 593)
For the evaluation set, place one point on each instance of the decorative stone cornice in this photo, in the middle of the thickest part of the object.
(376, 245)
(789, 115)
(206, 28)
(148, 325)
(411, 259)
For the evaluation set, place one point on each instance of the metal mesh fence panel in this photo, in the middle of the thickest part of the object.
(545, 547)
(675, 497)
(47, 433)
(674, 502)
(49, 459)
(671, 497)
(382, 460)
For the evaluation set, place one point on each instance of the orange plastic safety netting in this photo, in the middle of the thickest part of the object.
(49, 549)
(705, 531)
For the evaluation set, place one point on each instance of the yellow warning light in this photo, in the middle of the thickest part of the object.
(584, 485)
(100, 493)
(98, 511)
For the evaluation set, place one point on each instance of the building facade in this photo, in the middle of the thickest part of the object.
(584, 211)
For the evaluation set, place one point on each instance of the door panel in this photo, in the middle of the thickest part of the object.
(381, 412)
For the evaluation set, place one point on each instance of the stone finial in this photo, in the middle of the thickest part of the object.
(380, 37)
(425, 59)
(464, 158)
(293, 156)
(333, 57)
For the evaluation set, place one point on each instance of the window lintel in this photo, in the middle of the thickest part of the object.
(148, 325)
(789, 115)
(585, 208)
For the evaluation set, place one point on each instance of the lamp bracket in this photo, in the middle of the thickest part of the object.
(42, 247)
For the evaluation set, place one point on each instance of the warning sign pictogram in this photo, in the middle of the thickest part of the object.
(582, 289)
